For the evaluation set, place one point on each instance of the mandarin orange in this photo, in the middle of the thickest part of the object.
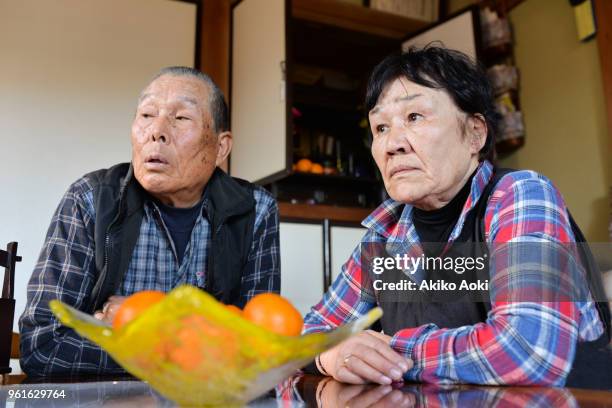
(135, 305)
(274, 313)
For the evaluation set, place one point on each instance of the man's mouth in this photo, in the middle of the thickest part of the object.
(155, 159)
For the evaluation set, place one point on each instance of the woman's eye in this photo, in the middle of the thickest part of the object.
(146, 115)
(381, 128)
(413, 117)
(182, 118)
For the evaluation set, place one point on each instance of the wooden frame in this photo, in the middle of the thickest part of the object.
(603, 14)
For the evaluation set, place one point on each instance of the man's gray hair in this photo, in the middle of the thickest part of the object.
(218, 107)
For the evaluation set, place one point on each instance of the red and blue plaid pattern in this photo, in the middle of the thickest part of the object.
(522, 343)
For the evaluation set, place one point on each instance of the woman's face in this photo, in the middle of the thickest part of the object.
(424, 146)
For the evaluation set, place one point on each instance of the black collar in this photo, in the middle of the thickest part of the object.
(227, 196)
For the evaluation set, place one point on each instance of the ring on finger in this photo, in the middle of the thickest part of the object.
(346, 360)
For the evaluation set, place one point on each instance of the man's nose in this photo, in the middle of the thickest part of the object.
(160, 130)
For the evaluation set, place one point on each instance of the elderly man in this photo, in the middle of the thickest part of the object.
(433, 123)
(169, 217)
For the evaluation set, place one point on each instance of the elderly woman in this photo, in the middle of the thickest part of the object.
(433, 124)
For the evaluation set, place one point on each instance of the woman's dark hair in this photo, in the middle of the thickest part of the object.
(441, 68)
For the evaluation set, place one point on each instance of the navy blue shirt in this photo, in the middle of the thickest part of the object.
(180, 222)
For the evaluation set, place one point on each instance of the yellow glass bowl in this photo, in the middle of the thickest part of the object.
(196, 352)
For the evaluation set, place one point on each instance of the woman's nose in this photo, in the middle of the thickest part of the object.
(397, 141)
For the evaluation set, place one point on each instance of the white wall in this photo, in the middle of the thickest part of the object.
(301, 264)
(344, 240)
(70, 75)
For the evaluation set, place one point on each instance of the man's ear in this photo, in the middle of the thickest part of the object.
(477, 131)
(224, 140)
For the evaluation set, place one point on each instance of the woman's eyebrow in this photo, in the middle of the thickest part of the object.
(405, 98)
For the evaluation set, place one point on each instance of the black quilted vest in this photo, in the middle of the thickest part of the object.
(119, 203)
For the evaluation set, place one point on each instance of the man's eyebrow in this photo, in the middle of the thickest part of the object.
(405, 98)
(186, 99)
(143, 97)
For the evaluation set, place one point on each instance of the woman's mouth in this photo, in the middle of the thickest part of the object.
(401, 170)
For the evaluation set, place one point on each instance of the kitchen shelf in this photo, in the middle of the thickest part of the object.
(319, 212)
(333, 178)
(356, 18)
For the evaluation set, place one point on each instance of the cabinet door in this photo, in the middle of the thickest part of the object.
(259, 108)
(343, 242)
(301, 264)
(458, 32)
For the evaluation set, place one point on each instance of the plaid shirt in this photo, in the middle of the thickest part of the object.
(520, 342)
(66, 271)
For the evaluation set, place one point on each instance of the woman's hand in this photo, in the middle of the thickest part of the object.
(366, 357)
(331, 393)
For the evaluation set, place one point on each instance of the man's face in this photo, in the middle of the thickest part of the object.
(419, 144)
(174, 146)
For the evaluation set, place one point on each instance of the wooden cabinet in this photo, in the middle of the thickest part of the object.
(298, 74)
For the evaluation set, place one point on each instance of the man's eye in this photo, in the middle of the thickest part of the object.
(146, 115)
(182, 118)
(413, 117)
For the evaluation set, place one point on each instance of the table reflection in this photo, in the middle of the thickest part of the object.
(91, 393)
(327, 393)
(310, 391)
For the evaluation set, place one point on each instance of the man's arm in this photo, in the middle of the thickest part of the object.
(521, 343)
(262, 271)
(65, 271)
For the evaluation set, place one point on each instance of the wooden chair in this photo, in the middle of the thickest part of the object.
(15, 346)
(8, 259)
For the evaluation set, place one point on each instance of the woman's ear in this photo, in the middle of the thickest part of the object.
(477, 131)
(224, 140)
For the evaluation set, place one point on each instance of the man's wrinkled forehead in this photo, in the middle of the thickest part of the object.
(144, 97)
(183, 89)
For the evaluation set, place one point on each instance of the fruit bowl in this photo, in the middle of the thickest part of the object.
(196, 352)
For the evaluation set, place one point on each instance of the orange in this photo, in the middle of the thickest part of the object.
(198, 342)
(135, 305)
(188, 355)
(303, 165)
(316, 168)
(234, 309)
(274, 313)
